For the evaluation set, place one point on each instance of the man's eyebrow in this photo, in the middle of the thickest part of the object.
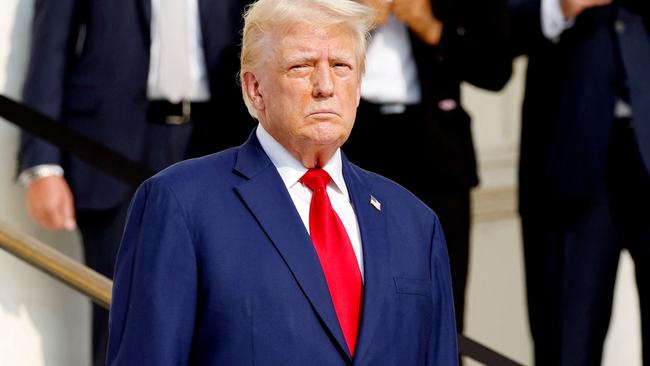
(342, 57)
(308, 56)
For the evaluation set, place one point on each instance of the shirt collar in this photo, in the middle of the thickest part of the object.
(291, 170)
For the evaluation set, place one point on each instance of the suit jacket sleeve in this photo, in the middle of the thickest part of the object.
(475, 40)
(155, 287)
(55, 30)
(443, 348)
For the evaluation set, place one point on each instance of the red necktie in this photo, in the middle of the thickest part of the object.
(336, 255)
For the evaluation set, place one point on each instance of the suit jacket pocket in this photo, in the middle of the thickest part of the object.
(412, 286)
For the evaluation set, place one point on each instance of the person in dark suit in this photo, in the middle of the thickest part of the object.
(106, 70)
(411, 126)
(584, 168)
(281, 251)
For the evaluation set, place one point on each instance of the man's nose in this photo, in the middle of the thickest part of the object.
(323, 81)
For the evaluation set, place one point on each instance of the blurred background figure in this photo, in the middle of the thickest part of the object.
(411, 126)
(585, 158)
(154, 80)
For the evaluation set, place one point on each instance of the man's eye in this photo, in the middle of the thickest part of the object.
(299, 70)
(342, 69)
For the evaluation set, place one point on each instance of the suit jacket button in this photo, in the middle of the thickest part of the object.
(619, 26)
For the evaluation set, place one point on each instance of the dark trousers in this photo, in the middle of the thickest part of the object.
(101, 230)
(398, 146)
(571, 264)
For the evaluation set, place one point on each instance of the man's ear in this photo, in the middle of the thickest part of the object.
(358, 92)
(252, 90)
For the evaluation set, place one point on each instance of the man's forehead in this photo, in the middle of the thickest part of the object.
(306, 33)
(312, 41)
(309, 53)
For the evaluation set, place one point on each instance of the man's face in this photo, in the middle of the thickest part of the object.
(309, 88)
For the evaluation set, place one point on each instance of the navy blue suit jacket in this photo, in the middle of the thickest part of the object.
(88, 68)
(216, 268)
(571, 89)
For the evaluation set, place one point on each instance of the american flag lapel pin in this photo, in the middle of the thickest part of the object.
(375, 203)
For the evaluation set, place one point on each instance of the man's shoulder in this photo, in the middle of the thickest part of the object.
(196, 175)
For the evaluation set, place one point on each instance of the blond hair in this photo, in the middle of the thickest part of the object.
(266, 18)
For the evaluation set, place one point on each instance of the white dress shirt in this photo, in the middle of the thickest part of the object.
(553, 20)
(199, 90)
(391, 75)
(291, 170)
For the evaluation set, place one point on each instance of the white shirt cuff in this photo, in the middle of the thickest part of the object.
(27, 176)
(553, 20)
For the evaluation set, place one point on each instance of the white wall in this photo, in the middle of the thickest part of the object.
(44, 323)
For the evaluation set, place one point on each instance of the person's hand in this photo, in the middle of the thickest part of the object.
(419, 17)
(382, 9)
(573, 8)
(50, 203)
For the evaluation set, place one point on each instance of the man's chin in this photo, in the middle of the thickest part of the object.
(327, 132)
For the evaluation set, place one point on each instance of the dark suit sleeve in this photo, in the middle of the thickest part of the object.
(55, 30)
(443, 349)
(475, 40)
(155, 287)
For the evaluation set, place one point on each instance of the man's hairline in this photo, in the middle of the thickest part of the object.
(273, 46)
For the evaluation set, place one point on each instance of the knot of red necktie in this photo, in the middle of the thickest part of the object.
(315, 178)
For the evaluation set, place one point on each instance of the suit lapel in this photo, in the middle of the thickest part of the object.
(635, 50)
(206, 12)
(204, 17)
(372, 225)
(145, 15)
(268, 200)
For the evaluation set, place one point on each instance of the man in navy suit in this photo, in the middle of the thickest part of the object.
(584, 169)
(142, 77)
(281, 251)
